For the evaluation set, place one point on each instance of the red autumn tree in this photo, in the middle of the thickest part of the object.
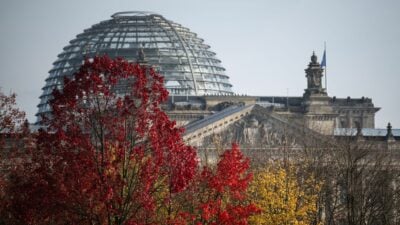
(220, 194)
(109, 154)
(11, 118)
(11, 125)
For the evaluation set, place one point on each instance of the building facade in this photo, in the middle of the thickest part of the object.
(330, 132)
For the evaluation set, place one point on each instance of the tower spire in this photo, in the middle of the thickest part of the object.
(314, 58)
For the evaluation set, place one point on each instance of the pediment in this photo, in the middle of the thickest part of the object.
(261, 128)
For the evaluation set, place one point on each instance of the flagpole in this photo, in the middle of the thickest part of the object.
(326, 82)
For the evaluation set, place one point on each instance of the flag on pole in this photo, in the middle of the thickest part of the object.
(323, 61)
(323, 64)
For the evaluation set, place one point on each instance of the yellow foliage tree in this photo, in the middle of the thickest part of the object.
(283, 197)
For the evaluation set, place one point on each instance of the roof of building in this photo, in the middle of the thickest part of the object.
(368, 132)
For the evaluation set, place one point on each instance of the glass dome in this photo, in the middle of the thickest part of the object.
(186, 62)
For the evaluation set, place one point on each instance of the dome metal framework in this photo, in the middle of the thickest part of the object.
(186, 62)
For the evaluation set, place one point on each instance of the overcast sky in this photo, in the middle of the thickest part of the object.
(264, 45)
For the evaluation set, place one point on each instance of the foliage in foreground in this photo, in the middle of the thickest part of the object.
(13, 128)
(282, 197)
(10, 116)
(110, 155)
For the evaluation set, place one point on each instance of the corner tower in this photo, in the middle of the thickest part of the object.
(314, 74)
(318, 112)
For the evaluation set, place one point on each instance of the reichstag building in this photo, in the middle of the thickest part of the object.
(201, 96)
